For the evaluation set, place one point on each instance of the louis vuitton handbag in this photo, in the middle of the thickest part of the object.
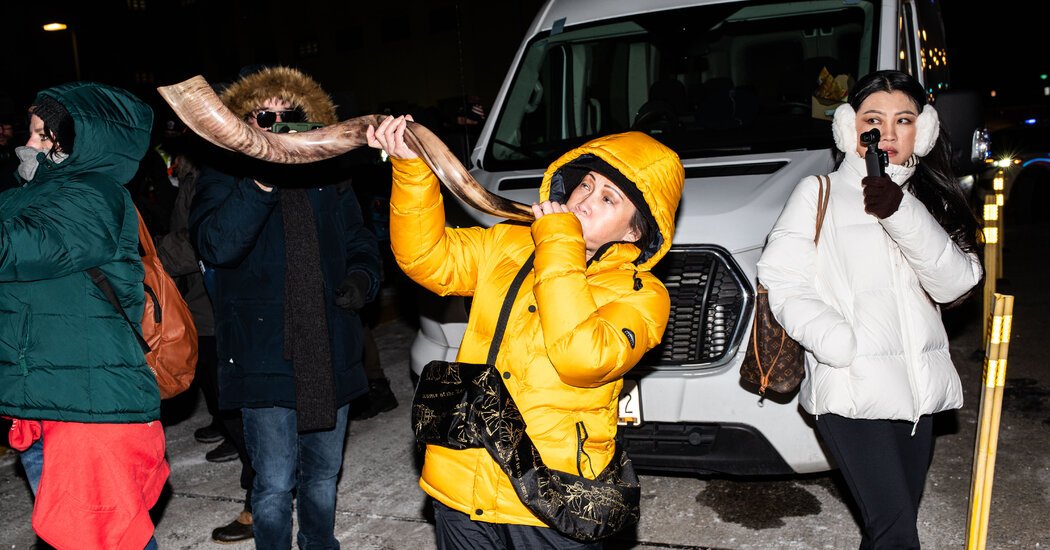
(466, 405)
(773, 361)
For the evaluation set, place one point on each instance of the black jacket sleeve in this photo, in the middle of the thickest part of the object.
(362, 249)
(227, 216)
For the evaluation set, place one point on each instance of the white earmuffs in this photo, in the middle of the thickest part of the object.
(844, 129)
(928, 127)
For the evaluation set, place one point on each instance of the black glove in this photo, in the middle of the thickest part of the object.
(882, 197)
(351, 293)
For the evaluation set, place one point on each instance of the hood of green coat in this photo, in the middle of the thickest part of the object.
(112, 129)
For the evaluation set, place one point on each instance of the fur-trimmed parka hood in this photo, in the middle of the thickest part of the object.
(289, 84)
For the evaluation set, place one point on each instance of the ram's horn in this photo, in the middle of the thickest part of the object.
(195, 102)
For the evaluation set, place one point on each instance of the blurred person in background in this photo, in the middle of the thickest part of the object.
(8, 160)
(180, 259)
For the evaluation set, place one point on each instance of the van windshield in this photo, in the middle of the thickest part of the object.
(714, 80)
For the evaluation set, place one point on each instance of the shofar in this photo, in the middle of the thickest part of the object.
(195, 102)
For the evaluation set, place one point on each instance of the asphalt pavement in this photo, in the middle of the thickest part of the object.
(381, 507)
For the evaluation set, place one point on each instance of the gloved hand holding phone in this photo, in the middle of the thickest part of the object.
(882, 196)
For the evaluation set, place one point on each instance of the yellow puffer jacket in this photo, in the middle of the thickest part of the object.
(567, 343)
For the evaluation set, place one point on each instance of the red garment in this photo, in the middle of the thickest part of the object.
(23, 433)
(98, 483)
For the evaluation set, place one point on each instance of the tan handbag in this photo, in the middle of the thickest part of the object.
(773, 361)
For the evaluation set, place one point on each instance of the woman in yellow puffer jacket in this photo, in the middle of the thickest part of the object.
(585, 315)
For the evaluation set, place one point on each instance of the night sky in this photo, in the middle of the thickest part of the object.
(1005, 50)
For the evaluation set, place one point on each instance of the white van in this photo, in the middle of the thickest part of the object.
(730, 86)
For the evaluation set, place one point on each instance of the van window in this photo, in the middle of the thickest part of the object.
(932, 47)
(721, 79)
(907, 50)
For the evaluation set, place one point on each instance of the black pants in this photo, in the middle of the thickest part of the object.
(207, 377)
(885, 467)
(456, 531)
(370, 358)
(229, 422)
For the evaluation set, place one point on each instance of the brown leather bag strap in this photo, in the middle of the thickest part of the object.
(822, 204)
(764, 373)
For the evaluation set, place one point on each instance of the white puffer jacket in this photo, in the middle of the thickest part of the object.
(863, 303)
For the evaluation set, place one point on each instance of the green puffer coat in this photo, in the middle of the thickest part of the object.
(65, 353)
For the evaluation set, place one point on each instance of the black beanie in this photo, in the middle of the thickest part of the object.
(57, 118)
(569, 176)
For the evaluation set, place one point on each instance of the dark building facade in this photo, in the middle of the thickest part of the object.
(367, 54)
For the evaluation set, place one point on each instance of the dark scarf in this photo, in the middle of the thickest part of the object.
(305, 318)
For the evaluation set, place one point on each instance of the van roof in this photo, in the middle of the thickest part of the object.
(583, 11)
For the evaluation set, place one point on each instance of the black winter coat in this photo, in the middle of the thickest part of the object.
(238, 230)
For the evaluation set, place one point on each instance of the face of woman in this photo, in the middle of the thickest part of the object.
(603, 210)
(894, 114)
(38, 139)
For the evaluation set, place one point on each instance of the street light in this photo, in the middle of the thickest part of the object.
(52, 27)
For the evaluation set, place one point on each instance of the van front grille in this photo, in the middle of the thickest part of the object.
(709, 303)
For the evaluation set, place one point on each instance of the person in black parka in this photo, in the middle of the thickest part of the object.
(293, 262)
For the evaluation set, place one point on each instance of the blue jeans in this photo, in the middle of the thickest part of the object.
(285, 461)
(33, 463)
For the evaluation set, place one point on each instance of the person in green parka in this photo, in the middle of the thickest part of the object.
(72, 375)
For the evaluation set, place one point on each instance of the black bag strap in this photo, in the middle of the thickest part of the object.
(102, 283)
(508, 302)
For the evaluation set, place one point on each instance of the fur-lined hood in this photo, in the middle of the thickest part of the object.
(286, 83)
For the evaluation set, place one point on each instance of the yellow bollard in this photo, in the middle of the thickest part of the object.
(991, 244)
(998, 185)
(980, 457)
(987, 439)
(997, 408)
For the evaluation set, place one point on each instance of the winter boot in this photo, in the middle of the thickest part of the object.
(378, 399)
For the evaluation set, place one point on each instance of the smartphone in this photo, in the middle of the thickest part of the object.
(292, 127)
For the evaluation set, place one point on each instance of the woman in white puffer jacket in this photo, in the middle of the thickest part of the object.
(864, 303)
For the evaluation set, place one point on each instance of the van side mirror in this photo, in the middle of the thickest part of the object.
(962, 118)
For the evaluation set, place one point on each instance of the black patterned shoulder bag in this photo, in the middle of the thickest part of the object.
(465, 405)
